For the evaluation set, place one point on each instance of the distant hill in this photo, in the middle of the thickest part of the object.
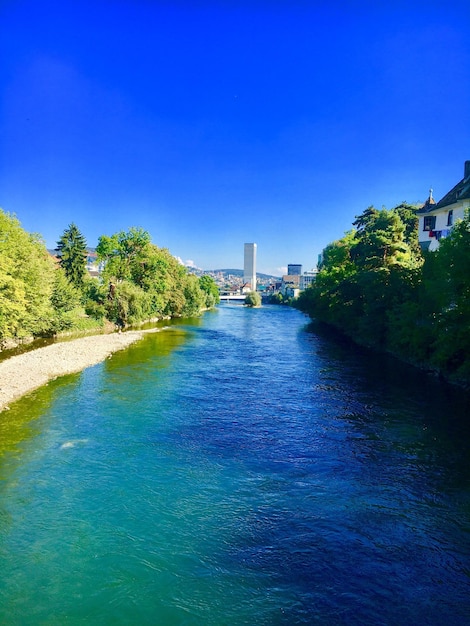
(229, 271)
(235, 272)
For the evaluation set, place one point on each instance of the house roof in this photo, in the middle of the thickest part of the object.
(461, 191)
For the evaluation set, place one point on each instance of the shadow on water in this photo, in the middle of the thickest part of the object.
(384, 376)
(356, 468)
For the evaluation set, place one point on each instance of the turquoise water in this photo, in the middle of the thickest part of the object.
(241, 468)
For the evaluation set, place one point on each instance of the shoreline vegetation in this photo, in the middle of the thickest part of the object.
(23, 373)
(377, 287)
(124, 282)
(45, 297)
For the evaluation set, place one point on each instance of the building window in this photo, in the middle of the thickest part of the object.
(429, 222)
(450, 217)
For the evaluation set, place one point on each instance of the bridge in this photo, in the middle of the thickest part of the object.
(227, 297)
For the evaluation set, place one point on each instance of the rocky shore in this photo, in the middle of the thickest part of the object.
(23, 373)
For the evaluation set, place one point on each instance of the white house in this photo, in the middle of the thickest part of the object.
(436, 219)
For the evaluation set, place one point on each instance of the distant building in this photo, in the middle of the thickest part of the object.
(437, 219)
(307, 278)
(93, 266)
(290, 286)
(294, 270)
(249, 271)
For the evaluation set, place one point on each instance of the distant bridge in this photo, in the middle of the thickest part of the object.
(226, 297)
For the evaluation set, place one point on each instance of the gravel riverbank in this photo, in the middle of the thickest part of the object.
(25, 372)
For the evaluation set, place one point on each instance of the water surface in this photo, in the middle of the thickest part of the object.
(241, 468)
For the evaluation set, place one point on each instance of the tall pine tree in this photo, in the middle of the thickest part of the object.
(72, 252)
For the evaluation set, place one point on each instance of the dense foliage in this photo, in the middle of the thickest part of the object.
(209, 287)
(376, 286)
(39, 296)
(144, 281)
(26, 281)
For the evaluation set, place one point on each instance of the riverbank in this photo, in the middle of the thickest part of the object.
(25, 372)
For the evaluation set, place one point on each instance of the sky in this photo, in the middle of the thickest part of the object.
(215, 123)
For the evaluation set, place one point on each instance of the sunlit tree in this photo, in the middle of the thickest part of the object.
(26, 281)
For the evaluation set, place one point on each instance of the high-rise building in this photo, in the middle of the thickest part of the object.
(249, 271)
(294, 270)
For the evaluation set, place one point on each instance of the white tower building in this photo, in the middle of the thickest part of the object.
(249, 271)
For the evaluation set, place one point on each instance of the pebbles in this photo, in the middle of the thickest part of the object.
(23, 373)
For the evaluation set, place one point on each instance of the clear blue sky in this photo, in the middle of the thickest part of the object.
(212, 124)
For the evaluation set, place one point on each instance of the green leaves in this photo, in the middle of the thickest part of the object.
(145, 281)
(72, 252)
(26, 281)
(208, 285)
(253, 299)
(375, 286)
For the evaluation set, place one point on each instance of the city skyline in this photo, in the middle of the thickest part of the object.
(209, 124)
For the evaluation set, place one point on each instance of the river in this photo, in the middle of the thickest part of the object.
(239, 468)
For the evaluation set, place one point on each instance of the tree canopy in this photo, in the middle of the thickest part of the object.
(253, 299)
(145, 281)
(26, 281)
(209, 287)
(376, 286)
(139, 282)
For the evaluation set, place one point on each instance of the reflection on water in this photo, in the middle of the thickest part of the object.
(242, 468)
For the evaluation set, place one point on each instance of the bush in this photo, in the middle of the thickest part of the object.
(253, 299)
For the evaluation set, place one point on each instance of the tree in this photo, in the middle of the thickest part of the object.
(333, 297)
(253, 299)
(26, 281)
(145, 281)
(451, 314)
(210, 289)
(367, 277)
(128, 304)
(124, 253)
(408, 215)
(380, 240)
(72, 253)
(195, 297)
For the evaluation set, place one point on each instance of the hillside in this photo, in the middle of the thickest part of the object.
(238, 272)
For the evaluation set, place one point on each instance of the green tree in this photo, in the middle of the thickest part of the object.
(71, 251)
(253, 299)
(210, 289)
(408, 215)
(124, 254)
(127, 304)
(450, 315)
(380, 240)
(95, 295)
(26, 281)
(195, 297)
(366, 278)
(145, 281)
(334, 296)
